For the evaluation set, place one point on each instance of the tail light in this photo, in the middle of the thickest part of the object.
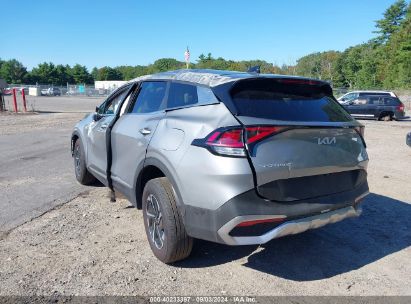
(401, 108)
(230, 141)
(360, 130)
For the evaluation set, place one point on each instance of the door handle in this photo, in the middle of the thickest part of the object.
(103, 127)
(145, 131)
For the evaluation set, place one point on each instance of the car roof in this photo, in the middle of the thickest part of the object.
(375, 91)
(381, 96)
(213, 78)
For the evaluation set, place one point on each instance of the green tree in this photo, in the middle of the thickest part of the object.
(80, 74)
(167, 64)
(94, 73)
(319, 65)
(391, 22)
(12, 71)
(63, 74)
(45, 73)
(398, 56)
(107, 73)
(131, 72)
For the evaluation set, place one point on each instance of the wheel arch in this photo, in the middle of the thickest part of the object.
(384, 113)
(74, 137)
(153, 168)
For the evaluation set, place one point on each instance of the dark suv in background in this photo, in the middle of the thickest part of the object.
(379, 107)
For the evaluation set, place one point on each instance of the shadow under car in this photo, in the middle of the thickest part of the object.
(383, 228)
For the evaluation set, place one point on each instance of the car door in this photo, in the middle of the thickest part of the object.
(96, 134)
(356, 107)
(370, 108)
(133, 131)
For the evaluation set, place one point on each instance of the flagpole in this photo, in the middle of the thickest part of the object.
(187, 58)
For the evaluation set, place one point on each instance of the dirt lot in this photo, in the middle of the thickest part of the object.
(89, 246)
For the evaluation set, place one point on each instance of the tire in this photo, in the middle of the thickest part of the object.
(163, 223)
(82, 175)
(386, 116)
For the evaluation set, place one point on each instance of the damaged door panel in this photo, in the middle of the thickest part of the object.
(97, 133)
(133, 131)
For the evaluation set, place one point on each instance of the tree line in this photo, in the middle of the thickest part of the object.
(382, 62)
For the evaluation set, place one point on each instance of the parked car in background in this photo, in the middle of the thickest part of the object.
(408, 139)
(350, 96)
(7, 91)
(229, 157)
(51, 92)
(381, 107)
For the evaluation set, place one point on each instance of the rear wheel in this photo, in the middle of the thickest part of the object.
(82, 175)
(163, 223)
(386, 116)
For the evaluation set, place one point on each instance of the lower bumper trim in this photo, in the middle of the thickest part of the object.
(289, 227)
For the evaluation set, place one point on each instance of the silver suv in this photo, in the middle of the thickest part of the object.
(229, 157)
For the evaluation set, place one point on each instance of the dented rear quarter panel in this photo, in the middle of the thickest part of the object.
(203, 179)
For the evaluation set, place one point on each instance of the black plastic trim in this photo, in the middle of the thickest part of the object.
(204, 223)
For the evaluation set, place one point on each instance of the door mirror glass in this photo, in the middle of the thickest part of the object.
(97, 117)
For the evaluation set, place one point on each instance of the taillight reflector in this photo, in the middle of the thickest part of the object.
(230, 138)
(256, 222)
(255, 134)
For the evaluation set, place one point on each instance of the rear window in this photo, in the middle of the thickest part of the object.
(287, 102)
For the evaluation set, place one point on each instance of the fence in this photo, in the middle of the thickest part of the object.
(67, 90)
(91, 91)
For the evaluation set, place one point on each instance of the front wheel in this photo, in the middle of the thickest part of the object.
(82, 175)
(163, 223)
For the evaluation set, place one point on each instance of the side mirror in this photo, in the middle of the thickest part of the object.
(96, 117)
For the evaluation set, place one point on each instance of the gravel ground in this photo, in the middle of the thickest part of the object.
(90, 246)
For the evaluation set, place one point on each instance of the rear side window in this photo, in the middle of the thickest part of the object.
(373, 100)
(151, 97)
(270, 99)
(391, 102)
(184, 95)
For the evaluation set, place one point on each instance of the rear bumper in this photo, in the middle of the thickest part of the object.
(289, 227)
(297, 216)
(399, 114)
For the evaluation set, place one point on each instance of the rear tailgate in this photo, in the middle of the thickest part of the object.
(315, 149)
